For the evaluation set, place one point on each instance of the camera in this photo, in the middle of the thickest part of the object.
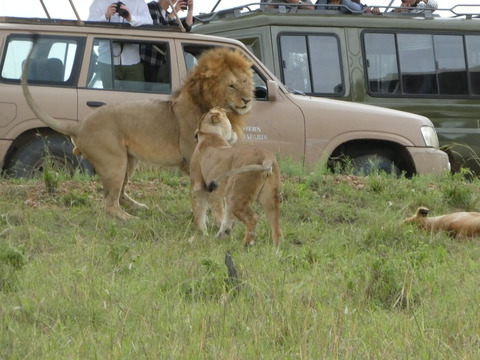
(122, 12)
(184, 6)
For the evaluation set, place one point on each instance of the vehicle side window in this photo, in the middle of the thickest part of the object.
(426, 64)
(130, 66)
(192, 52)
(53, 59)
(382, 65)
(451, 66)
(417, 64)
(473, 58)
(311, 63)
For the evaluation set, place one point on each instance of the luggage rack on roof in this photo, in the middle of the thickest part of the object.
(66, 22)
(78, 22)
(456, 11)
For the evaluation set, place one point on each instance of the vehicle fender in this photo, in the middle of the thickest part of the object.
(317, 148)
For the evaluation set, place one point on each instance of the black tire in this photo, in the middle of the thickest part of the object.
(373, 163)
(54, 151)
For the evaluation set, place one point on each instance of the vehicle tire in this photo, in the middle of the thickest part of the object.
(373, 163)
(40, 152)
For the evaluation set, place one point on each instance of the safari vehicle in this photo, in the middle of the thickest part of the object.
(421, 63)
(63, 78)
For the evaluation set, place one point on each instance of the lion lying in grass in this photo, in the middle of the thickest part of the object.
(241, 173)
(115, 137)
(460, 224)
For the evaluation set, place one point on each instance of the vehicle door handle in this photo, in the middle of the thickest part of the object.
(95, 103)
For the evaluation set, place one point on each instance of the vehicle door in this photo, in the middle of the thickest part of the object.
(275, 123)
(52, 78)
(104, 79)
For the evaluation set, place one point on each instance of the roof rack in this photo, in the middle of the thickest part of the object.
(69, 22)
(466, 11)
(78, 22)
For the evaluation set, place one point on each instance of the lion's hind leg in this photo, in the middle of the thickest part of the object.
(199, 198)
(246, 215)
(238, 203)
(112, 186)
(269, 198)
(124, 198)
(112, 175)
(227, 223)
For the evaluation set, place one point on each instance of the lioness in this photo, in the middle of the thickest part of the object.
(115, 137)
(458, 224)
(251, 173)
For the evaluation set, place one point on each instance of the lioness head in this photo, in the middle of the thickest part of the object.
(223, 77)
(419, 216)
(217, 122)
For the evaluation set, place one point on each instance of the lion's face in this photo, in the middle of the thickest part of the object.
(224, 78)
(237, 87)
(217, 122)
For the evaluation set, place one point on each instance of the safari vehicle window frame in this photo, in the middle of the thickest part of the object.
(438, 95)
(71, 82)
(256, 71)
(96, 38)
(205, 46)
(340, 64)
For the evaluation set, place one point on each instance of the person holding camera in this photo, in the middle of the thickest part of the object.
(417, 6)
(152, 59)
(126, 57)
(161, 15)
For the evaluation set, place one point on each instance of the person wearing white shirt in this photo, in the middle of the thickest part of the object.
(422, 5)
(126, 56)
(417, 6)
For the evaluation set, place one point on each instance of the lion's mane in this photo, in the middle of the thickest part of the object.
(208, 83)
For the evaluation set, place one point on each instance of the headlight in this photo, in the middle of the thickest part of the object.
(430, 136)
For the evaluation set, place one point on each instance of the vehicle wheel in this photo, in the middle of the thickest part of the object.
(40, 152)
(373, 163)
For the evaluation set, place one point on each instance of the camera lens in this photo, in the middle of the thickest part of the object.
(122, 12)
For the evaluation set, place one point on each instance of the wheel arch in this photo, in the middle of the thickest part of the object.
(396, 152)
(31, 136)
(24, 138)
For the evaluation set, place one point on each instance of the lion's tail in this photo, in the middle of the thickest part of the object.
(266, 166)
(63, 127)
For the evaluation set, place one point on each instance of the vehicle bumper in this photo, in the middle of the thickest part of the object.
(429, 161)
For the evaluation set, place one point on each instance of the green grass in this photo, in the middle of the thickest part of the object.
(349, 281)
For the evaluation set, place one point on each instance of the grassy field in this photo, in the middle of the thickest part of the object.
(349, 281)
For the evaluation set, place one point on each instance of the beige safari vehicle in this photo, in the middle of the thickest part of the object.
(64, 80)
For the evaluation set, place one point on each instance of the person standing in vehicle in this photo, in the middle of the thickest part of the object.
(417, 6)
(161, 16)
(349, 6)
(126, 57)
(306, 5)
(152, 57)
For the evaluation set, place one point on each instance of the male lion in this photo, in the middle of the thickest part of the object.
(459, 224)
(251, 173)
(115, 137)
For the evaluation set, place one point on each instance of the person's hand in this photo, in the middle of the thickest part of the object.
(111, 10)
(190, 5)
(129, 16)
(181, 5)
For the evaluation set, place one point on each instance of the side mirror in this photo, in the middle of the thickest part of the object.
(272, 89)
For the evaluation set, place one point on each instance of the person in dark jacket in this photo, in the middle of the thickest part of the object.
(152, 56)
